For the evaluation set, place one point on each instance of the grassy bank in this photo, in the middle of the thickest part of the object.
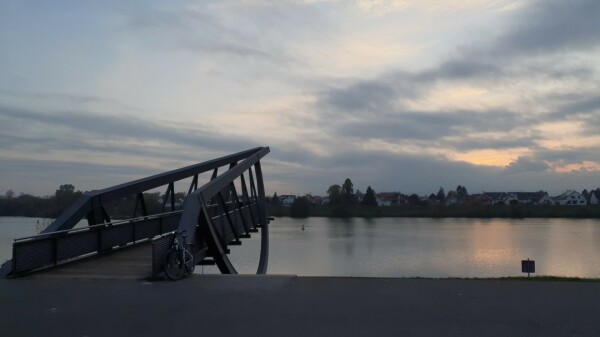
(516, 211)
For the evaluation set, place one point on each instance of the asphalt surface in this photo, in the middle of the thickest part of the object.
(217, 305)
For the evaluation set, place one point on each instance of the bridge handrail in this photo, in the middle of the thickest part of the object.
(86, 203)
(43, 251)
(215, 186)
(42, 236)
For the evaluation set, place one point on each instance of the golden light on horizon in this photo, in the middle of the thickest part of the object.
(583, 166)
(489, 157)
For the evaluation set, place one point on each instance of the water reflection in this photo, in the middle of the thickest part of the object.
(342, 236)
(398, 247)
(404, 247)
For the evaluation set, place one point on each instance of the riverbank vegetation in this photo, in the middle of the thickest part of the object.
(52, 206)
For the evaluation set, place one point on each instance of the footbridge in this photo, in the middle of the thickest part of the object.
(227, 208)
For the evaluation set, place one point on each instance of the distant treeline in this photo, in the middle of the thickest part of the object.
(488, 211)
(65, 196)
(343, 201)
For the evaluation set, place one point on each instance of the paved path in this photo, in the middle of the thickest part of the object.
(215, 305)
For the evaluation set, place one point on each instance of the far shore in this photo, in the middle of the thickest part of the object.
(513, 212)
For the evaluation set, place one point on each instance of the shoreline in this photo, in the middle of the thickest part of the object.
(482, 212)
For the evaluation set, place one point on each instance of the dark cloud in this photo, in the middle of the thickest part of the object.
(578, 107)
(526, 164)
(429, 125)
(423, 174)
(549, 26)
(80, 126)
(586, 110)
(361, 97)
(32, 176)
(459, 69)
(569, 156)
(472, 143)
(195, 30)
(383, 171)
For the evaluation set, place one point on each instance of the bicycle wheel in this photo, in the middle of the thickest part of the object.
(190, 264)
(174, 267)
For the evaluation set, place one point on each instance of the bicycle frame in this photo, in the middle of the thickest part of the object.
(186, 258)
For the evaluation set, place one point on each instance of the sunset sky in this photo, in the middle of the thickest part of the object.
(407, 96)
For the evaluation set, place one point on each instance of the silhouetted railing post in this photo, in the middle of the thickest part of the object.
(264, 242)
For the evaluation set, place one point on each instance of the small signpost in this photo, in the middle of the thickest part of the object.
(528, 266)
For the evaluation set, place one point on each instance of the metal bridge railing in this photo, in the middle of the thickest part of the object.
(51, 249)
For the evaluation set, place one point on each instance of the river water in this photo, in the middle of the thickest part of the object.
(406, 247)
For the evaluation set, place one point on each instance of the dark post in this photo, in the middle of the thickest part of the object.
(264, 233)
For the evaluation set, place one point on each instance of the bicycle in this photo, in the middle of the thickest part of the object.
(179, 261)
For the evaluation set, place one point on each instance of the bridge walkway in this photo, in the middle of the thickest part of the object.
(132, 262)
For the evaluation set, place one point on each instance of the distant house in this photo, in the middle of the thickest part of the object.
(310, 199)
(530, 198)
(571, 198)
(387, 199)
(545, 199)
(287, 200)
(178, 202)
(498, 198)
(534, 198)
(478, 200)
(511, 199)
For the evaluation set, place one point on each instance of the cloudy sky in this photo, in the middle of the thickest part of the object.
(400, 95)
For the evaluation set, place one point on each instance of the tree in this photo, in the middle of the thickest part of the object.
(275, 200)
(414, 199)
(299, 208)
(586, 195)
(461, 192)
(334, 192)
(66, 188)
(451, 195)
(348, 192)
(441, 195)
(358, 195)
(65, 196)
(369, 198)
(10, 194)
(152, 202)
